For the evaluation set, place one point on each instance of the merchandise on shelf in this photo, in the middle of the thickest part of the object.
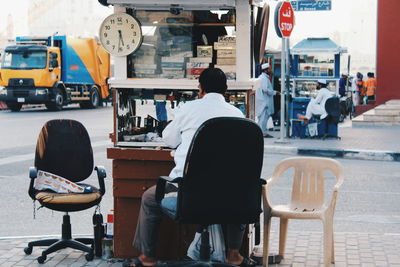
(226, 55)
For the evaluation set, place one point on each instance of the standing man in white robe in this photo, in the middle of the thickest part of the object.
(265, 99)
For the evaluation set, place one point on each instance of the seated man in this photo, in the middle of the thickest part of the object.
(316, 106)
(179, 134)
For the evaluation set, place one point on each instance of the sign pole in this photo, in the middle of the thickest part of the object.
(284, 23)
(283, 76)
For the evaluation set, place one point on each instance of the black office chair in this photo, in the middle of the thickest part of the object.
(332, 107)
(63, 148)
(221, 182)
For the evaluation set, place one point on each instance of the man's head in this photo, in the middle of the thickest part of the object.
(266, 68)
(321, 83)
(370, 75)
(212, 80)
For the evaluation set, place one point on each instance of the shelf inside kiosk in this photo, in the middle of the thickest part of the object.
(181, 44)
(138, 119)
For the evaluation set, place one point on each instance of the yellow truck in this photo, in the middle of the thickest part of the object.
(54, 71)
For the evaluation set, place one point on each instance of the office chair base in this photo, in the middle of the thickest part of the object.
(65, 242)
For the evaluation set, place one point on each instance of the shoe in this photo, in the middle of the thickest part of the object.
(268, 136)
(247, 262)
(137, 263)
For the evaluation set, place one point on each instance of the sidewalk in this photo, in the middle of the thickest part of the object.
(303, 249)
(365, 143)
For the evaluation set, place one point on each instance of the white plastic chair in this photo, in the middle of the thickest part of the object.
(307, 200)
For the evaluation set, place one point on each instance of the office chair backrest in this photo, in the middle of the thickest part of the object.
(332, 107)
(64, 148)
(221, 182)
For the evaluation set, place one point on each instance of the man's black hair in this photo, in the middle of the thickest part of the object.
(213, 80)
(370, 75)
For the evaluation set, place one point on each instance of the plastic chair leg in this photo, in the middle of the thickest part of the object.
(267, 231)
(282, 235)
(328, 242)
(333, 248)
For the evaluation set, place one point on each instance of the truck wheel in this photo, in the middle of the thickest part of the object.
(94, 99)
(57, 105)
(14, 106)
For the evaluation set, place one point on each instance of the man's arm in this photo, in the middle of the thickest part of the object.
(270, 91)
(172, 133)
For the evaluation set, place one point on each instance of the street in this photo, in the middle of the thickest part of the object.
(366, 201)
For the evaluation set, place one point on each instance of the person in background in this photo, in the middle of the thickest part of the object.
(356, 89)
(342, 85)
(361, 87)
(179, 134)
(265, 99)
(370, 88)
(316, 106)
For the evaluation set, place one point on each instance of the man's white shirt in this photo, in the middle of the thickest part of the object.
(179, 133)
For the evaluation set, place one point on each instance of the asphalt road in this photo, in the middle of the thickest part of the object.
(367, 201)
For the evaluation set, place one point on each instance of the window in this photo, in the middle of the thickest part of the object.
(180, 44)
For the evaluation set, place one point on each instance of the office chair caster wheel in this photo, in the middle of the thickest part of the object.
(42, 258)
(28, 250)
(89, 256)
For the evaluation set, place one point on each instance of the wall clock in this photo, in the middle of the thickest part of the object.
(120, 34)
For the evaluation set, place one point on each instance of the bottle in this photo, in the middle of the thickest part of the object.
(110, 225)
(98, 234)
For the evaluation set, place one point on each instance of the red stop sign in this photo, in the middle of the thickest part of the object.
(285, 20)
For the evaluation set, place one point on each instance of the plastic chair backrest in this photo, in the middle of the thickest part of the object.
(308, 188)
(64, 148)
(221, 182)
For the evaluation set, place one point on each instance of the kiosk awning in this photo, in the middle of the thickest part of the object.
(317, 45)
(185, 4)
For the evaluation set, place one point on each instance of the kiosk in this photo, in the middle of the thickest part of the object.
(178, 40)
(312, 59)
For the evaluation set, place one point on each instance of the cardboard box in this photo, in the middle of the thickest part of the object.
(226, 39)
(197, 65)
(226, 53)
(204, 51)
(145, 66)
(229, 70)
(224, 45)
(194, 71)
(200, 59)
(226, 61)
(172, 65)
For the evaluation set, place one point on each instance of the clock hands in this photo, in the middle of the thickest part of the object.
(120, 38)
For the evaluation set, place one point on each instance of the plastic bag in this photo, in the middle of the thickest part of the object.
(312, 129)
(217, 244)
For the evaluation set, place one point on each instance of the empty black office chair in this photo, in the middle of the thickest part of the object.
(63, 148)
(221, 182)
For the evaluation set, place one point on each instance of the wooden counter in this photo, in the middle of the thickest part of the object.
(134, 170)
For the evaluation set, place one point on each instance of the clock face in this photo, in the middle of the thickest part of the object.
(120, 34)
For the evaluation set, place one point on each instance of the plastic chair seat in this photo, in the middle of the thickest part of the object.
(286, 211)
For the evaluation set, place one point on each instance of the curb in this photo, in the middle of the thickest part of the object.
(335, 153)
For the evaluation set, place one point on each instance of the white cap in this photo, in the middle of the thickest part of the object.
(264, 66)
(323, 81)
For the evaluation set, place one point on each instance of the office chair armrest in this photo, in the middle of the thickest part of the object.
(32, 176)
(101, 174)
(160, 188)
